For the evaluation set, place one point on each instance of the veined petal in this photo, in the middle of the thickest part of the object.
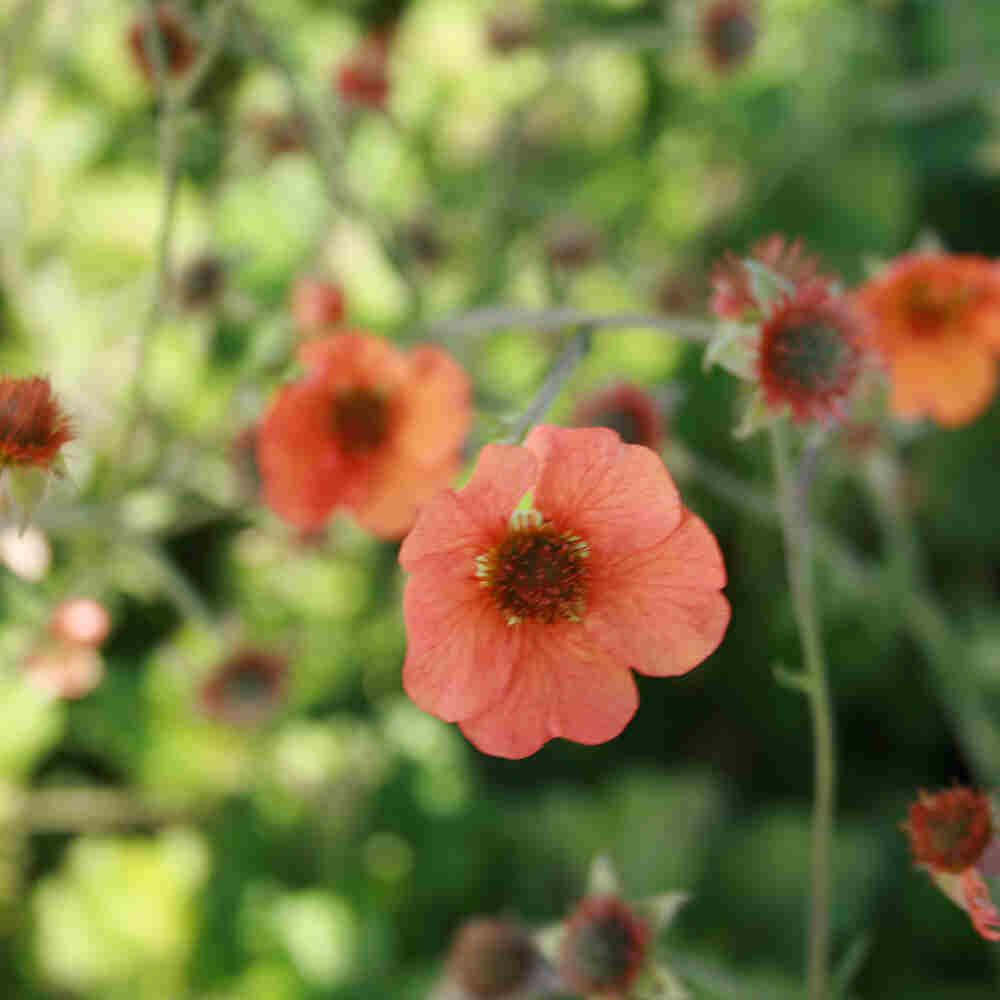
(460, 651)
(562, 685)
(659, 611)
(474, 518)
(434, 404)
(619, 498)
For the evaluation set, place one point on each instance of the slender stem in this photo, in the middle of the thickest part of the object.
(795, 528)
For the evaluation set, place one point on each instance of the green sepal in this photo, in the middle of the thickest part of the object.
(758, 416)
(735, 349)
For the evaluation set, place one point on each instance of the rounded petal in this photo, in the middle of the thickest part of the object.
(459, 650)
(619, 498)
(659, 611)
(562, 685)
(304, 472)
(434, 407)
(952, 383)
(352, 358)
(476, 517)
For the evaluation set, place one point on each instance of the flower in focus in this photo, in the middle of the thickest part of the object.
(526, 624)
(367, 429)
(317, 305)
(494, 959)
(810, 353)
(935, 318)
(728, 31)
(625, 408)
(364, 79)
(33, 429)
(733, 286)
(245, 688)
(66, 663)
(952, 836)
(179, 46)
(604, 947)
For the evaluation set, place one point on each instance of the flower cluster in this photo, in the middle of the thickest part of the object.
(953, 836)
(525, 624)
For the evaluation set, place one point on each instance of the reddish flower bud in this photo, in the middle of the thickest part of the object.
(810, 354)
(317, 305)
(492, 958)
(63, 669)
(245, 688)
(509, 30)
(33, 426)
(82, 620)
(729, 31)
(604, 948)
(364, 79)
(625, 408)
(950, 831)
(179, 46)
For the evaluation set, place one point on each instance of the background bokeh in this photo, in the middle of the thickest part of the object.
(148, 852)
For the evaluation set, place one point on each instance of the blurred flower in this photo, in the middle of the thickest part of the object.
(33, 429)
(604, 947)
(179, 45)
(733, 285)
(936, 320)
(952, 836)
(810, 353)
(201, 280)
(526, 624)
(82, 620)
(245, 688)
(572, 245)
(26, 553)
(423, 241)
(279, 133)
(368, 429)
(507, 30)
(728, 31)
(364, 79)
(679, 292)
(317, 305)
(493, 959)
(625, 408)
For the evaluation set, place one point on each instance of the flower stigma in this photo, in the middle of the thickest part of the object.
(537, 574)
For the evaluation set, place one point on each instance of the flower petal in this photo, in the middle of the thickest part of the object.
(354, 358)
(476, 517)
(460, 651)
(659, 611)
(952, 383)
(979, 906)
(619, 498)
(562, 685)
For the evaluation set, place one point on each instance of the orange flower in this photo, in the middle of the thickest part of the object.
(524, 625)
(368, 429)
(936, 320)
(810, 353)
(625, 408)
(732, 287)
(952, 836)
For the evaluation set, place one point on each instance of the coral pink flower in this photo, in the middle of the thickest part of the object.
(810, 353)
(625, 408)
(952, 835)
(936, 320)
(367, 429)
(82, 620)
(732, 289)
(524, 625)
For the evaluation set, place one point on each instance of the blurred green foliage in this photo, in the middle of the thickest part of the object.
(332, 851)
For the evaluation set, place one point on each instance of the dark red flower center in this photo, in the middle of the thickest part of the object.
(809, 356)
(251, 681)
(931, 308)
(605, 946)
(536, 574)
(360, 420)
(950, 831)
(32, 426)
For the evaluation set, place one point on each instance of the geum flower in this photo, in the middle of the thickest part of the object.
(729, 31)
(935, 318)
(952, 836)
(625, 408)
(526, 624)
(368, 429)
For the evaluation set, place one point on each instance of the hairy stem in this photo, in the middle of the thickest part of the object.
(794, 525)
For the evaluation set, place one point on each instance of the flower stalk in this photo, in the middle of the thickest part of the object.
(794, 523)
